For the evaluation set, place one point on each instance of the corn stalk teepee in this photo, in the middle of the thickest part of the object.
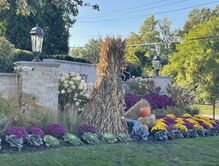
(106, 106)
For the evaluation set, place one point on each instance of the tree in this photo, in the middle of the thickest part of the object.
(197, 16)
(6, 55)
(90, 52)
(106, 106)
(152, 31)
(53, 16)
(196, 64)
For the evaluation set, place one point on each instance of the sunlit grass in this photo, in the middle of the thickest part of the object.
(189, 152)
(207, 109)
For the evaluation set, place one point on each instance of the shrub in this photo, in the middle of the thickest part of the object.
(90, 138)
(34, 139)
(50, 140)
(14, 141)
(170, 110)
(19, 132)
(72, 139)
(84, 128)
(6, 55)
(22, 55)
(140, 86)
(180, 96)
(73, 90)
(56, 130)
(108, 137)
(36, 131)
(156, 101)
(193, 111)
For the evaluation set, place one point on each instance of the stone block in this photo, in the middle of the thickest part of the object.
(150, 121)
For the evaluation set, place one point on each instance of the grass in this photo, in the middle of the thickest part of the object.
(207, 109)
(189, 152)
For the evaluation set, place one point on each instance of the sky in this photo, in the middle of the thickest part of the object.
(121, 17)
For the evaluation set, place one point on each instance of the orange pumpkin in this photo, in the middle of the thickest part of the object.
(145, 112)
(145, 126)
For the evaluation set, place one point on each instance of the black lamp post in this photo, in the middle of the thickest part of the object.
(157, 64)
(37, 42)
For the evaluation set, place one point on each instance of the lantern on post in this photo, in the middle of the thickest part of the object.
(157, 64)
(37, 42)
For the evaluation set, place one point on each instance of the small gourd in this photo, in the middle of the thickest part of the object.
(145, 112)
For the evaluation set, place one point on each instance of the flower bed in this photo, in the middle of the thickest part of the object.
(171, 126)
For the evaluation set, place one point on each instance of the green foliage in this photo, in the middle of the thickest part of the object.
(34, 139)
(195, 66)
(14, 141)
(152, 31)
(0, 143)
(179, 95)
(122, 137)
(131, 70)
(108, 137)
(50, 140)
(90, 52)
(74, 140)
(197, 16)
(193, 111)
(170, 110)
(6, 55)
(141, 86)
(90, 138)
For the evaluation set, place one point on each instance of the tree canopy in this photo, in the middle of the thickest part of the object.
(196, 64)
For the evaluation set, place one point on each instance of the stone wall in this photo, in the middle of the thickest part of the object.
(161, 81)
(41, 81)
(86, 71)
(8, 84)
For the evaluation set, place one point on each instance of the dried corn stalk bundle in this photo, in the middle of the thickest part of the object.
(105, 109)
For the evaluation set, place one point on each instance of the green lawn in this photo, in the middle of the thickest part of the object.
(188, 152)
(207, 109)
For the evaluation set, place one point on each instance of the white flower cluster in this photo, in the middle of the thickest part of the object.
(72, 89)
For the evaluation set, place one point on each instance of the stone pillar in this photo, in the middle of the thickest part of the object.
(161, 81)
(39, 79)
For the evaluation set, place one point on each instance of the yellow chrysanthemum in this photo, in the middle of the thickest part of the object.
(171, 115)
(192, 121)
(206, 122)
(181, 127)
(197, 126)
(158, 127)
(160, 120)
(161, 123)
(187, 115)
(179, 120)
(205, 118)
(199, 116)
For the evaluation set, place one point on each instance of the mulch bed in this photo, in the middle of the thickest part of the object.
(27, 148)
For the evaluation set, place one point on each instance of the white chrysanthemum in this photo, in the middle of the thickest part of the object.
(90, 84)
(65, 85)
(77, 103)
(75, 95)
(66, 75)
(70, 82)
(69, 90)
(62, 91)
(73, 86)
(82, 81)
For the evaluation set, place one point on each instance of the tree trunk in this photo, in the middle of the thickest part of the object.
(214, 103)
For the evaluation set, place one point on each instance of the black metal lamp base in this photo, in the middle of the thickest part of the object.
(36, 59)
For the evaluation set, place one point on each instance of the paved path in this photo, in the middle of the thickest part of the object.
(211, 116)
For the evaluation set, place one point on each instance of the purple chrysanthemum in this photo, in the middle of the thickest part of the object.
(19, 132)
(36, 131)
(56, 130)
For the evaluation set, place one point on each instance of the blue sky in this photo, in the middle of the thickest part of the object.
(120, 17)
